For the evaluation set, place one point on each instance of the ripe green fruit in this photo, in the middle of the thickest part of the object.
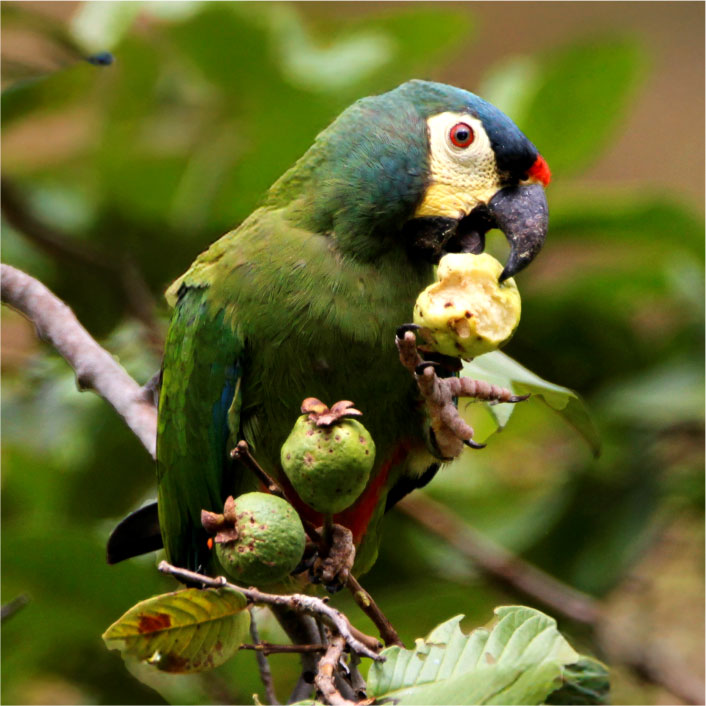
(269, 539)
(467, 312)
(328, 458)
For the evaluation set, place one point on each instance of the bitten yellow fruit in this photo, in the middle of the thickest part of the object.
(468, 312)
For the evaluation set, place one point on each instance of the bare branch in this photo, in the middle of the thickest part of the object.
(95, 368)
(498, 562)
(262, 663)
(370, 608)
(309, 605)
(15, 605)
(267, 648)
(325, 674)
(60, 246)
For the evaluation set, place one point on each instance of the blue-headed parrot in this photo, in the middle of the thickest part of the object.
(304, 298)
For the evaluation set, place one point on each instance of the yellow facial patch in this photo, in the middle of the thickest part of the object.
(460, 177)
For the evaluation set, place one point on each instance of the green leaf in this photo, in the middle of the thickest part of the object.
(585, 682)
(499, 369)
(572, 99)
(520, 661)
(663, 396)
(186, 631)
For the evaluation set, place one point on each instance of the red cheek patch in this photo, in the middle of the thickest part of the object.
(540, 171)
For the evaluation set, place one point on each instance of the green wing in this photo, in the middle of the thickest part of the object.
(198, 412)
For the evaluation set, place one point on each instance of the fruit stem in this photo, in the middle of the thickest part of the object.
(327, 535)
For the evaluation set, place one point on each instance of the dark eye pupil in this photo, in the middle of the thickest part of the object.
(461, 135)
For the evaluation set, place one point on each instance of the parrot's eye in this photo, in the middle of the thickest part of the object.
(461, 135)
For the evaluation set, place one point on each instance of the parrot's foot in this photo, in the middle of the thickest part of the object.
(333, 569)
(450, 431)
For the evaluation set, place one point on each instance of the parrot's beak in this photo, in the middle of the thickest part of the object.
(522, 214)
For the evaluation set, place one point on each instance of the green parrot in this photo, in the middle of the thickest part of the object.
(304, 299)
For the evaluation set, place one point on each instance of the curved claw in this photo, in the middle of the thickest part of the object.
(402, 330)
(473, 444)
(519, 398)
(419, 370)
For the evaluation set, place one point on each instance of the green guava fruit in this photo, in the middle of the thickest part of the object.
(261, 540)
(467, 312)
(328, 457)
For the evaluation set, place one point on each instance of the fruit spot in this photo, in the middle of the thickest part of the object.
(448, 304)
(308, 459)
(361, 439)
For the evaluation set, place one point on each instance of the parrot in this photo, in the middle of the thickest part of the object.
(305, 299)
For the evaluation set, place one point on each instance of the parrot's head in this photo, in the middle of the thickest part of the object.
(427, 165)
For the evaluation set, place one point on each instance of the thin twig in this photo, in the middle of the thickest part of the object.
(370, 608)
(262, 664)
(242, 453)
(310, 605)
(267, 648)
(301, 630)
(325, 674)
(60, 246)
(12, 607)
(498, 562)
(357, 682)
(95, 368)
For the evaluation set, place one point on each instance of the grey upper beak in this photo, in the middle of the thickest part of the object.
(522, 214)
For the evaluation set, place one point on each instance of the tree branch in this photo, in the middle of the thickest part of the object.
(309, 605)
(262, 663)
(15, 605)
(267, 648)
(136, 293)
(95, 368)
(498, 562)
(328, 665)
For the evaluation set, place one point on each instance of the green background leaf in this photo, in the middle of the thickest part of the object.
(519, 661)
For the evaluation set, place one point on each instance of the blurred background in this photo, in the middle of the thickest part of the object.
(114, 177)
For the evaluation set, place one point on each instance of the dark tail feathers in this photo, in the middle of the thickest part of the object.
(137, 534)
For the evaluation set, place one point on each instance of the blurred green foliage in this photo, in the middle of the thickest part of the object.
(147, 161)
